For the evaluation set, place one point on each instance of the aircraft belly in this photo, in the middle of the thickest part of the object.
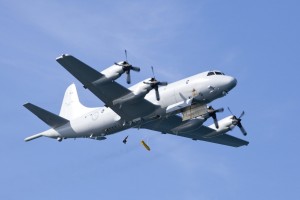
(93, 124)
(66, 131)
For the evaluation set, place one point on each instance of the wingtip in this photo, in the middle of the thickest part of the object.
(26, 104)
(246, 143)
(62, 56)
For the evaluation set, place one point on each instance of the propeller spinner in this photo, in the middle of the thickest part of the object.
(127, 67)
(236, 121)
(154, 84)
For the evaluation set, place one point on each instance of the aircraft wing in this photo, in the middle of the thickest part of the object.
(166, 126)
(107, 92)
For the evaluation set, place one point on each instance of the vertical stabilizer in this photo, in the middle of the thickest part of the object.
(71, 107)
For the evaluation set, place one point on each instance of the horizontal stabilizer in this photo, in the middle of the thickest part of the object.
(49, 118)
(33, 137)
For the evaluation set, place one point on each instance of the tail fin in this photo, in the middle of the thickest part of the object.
(49, 118)
(71, 107)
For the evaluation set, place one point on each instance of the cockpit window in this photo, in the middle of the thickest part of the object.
(215, 73)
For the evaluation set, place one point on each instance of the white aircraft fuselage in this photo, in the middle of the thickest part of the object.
(96, 123)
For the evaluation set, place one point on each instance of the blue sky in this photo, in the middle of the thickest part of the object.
(255, 41)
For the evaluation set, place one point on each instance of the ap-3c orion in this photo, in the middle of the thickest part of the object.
(179, 108)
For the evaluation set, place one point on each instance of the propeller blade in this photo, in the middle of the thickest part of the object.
(147, 83)
(126, 54)
(212, 113)
(153, 72)
(242, 128)
(163, 83)
(127, 67)
(220, 110)
(137, 69)
(154, 84)
(230, 111)
(157, 93)
(237, 121)
(243, 113)
(128, 77)
(214, 116)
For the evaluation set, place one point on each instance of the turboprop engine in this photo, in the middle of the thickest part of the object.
(227, 124)
(115, 71)
(140, 90)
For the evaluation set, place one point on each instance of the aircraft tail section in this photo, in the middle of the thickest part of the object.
(51, 133)
(49, 118)
(71, 107)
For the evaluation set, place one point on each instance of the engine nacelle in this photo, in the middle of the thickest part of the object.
(110, 74)
(225, 125)
(189, 125)
(141, 89)
(113, 72)
(138, 91)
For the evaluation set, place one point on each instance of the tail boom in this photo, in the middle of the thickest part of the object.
(51, 133)
(33, 137)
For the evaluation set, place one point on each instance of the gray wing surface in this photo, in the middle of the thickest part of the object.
(166, 126)
(105, 92)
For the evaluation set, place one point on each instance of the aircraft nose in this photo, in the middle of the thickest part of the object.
(231, 82)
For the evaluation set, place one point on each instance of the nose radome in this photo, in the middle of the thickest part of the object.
(231, 82)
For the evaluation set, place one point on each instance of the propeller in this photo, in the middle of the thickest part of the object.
(155, 83)
(212, 113)
(127, 67)
(236, 121)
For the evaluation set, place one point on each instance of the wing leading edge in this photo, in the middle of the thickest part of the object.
(166, 126)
